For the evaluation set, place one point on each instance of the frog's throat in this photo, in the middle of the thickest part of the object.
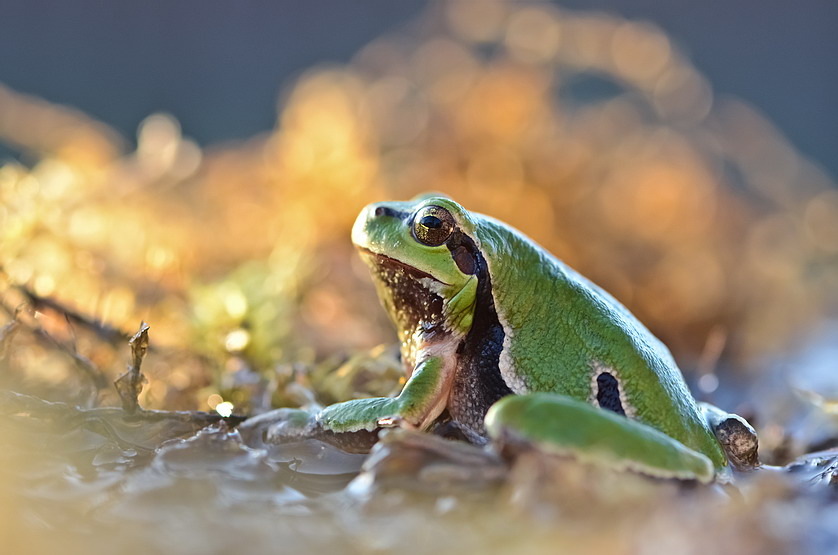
(412, 300)
(470, 380)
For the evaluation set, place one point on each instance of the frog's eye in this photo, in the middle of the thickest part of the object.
(432, 225)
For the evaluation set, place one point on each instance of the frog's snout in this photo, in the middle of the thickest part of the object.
(377, 224)
(360, 236)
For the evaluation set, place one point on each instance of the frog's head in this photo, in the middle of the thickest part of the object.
(425, 263)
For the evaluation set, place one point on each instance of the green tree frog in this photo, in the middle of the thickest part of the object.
(509, 344)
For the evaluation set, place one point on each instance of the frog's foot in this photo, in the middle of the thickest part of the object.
(278, 426)
(288, 425)
(560, 425)
(736, 436)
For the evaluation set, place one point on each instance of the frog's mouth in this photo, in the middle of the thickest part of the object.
(396, 266)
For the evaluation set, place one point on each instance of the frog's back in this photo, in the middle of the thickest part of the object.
(564, 334)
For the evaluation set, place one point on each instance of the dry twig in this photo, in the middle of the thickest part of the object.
(130, 384)
(88, 368)
(7, 333)
(104, 331)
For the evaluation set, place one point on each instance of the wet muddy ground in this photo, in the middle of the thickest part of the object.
(101, 482)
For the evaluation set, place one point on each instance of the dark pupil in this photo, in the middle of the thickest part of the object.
(431, 222)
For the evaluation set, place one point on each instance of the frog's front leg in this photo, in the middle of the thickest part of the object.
(736, 436)
(564, 426)
(353, 425)
(417, 406)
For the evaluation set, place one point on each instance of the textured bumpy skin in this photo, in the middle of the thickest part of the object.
(494, 313)
(559, 327)
(594, 436)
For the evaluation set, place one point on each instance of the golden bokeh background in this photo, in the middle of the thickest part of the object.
(694, 211)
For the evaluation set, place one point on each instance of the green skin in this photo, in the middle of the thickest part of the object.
(560, 332)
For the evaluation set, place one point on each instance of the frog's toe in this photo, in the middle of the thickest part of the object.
(736, 436)
(739, 441)
(287, 425)
(277, 426)
(393, 422)
(292, 424)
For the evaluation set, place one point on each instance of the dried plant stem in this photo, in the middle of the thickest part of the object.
(130, 384)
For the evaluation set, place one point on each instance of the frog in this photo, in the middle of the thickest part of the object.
(510, 347)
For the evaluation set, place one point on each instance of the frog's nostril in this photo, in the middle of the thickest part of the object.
(389, 212)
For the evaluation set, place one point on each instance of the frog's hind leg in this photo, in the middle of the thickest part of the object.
(736, 436)
(564, 426)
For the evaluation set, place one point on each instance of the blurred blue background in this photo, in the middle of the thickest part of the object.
(218, 65)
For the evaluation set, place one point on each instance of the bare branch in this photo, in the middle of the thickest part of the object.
(88, 368)
(104, 331)
(7, 333)
(112, 422)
